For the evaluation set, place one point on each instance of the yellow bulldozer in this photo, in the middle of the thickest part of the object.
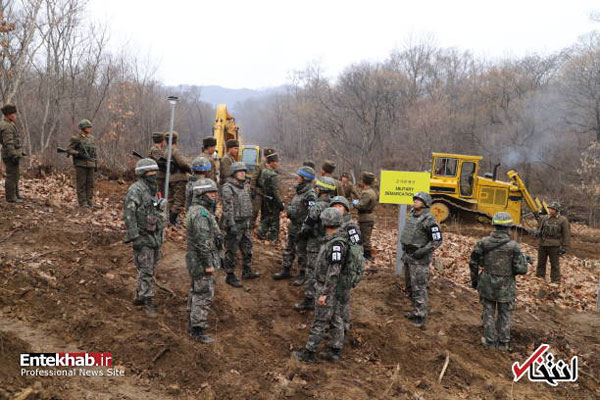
(225, 129)
(458, 191)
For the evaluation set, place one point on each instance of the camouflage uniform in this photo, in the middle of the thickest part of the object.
(202, 253)
(330, 261)
(501, 259)
(313, 225)
(297, 212)
(366, 217)
(145, 224)
(178, 181)
(421, 236)
(354, 236)
(272, 205)
(158, 154)
(83, 151)
(12, 152)
(237, 211)
(554, 236)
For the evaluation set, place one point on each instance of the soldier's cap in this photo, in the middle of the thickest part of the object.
(306, 173)
(158, 137)
(272, 157)
(309, 163)
(346, 175)
(175, 136)
(209, 142)
(267, 152)
(368, 177)
(9, 109)
(324, 185)
(232, 143)
(328, 166)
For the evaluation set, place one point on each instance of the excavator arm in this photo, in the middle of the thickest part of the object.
(536, 205)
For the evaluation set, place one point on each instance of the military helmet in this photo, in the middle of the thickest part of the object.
(158, 137)
(325, 184)
(202, 186)
(502, 219)
(84, 123)
(555, 205)
(238, 166)
(424, 197)
(307, 173)
(201, 164)
(340, 200)
(145, 165)
(331, 217)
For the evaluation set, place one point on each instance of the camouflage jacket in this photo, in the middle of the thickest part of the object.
(83, 150)
(422, 233)
(366, 205)
(269, 181)
(212, 174)
(157, 153)
(312, 223)
(225, 170)
(554, 231)
(297, 210)
(189, 190)
(330, 262)
(202, 235)
(237, 205)
(143, 218)
(501, 259)
(352, 230)
(10, 139)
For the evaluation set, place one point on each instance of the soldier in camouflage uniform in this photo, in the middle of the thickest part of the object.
(200, 167)
(366, 207)
(256, 191)
(421, 236)
(296, 212)
(143, 214)
(233, 147)
(555, 237)
(83, 151)
(236, 220)
(12, 152)
(501, 259)
(272, 204)
(209, 145)
(332, 296)
(327, 170)
(204, 241)
(157, 153)
(177, 180)
(313, 230)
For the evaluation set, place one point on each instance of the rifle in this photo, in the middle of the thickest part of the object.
(162, 162)
(136, 154)
(61, 150)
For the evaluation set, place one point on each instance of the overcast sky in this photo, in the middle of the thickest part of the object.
(257, 43)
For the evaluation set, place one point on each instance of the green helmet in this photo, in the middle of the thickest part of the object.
(202, 186)
(326, 184)
(424, 197)
(145, 165)
(502, 219)
(340, 200)
(555, 205)
(84, 123)
(307, 173)
(331, 217)
(158, 137)
(201, 164)
(238, 166)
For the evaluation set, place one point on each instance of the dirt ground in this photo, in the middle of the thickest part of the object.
(67, 280)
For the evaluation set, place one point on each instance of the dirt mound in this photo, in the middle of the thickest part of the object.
(65, 273)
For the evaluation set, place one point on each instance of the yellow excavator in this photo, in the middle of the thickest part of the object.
(458, 191)
(225, 129)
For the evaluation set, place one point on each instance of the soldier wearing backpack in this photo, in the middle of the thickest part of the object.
(200, 168)
(335, 278)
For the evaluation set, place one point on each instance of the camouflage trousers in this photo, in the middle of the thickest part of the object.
(496, 325)
(200, 299)
(269, 223)
(347, 316)
(294, 246)
(177, 196)
(145, 260)
(329, 317)
(418, 271)
(84, 178)
(310, 283)
(11, 183)
(240, 241)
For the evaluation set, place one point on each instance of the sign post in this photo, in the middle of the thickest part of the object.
(399, 187)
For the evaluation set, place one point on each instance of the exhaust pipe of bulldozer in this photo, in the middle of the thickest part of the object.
(496, 171)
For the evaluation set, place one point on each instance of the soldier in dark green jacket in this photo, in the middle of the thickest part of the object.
(272, 203)
(83, 150)
(501, 259)
(366, 206)
(555, 237)
(12, 152)
(143, 214)
(256, 191)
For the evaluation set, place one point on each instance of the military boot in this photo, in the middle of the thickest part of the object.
(249, 274)
(173, 218)
(368, 256)
(330, 355)
(418, 322)
(304, 356)
(503, 346)
(149, 308)
(409, 315)
(299, 281)
(233, 280)
(305, 304)
(138, 301)
(488, 345)
(198, 335)
(283, 274)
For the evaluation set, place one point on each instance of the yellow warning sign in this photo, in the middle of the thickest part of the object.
(398, 187)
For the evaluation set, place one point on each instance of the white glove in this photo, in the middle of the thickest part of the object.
(355, 202)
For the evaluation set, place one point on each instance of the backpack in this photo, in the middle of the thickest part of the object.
(353, 268)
